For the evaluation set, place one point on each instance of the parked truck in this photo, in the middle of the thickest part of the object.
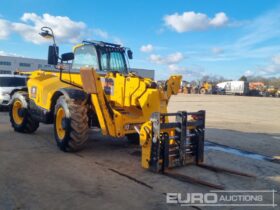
(235, 87)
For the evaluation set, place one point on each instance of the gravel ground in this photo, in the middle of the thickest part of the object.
(34, 174)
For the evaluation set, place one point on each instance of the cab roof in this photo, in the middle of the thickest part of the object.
(101, 44)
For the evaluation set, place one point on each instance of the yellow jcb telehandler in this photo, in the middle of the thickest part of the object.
(97, 90)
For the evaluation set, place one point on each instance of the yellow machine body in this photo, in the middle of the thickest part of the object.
(118, 102)
(131, 98)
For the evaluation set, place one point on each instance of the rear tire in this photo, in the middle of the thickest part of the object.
(133, 138)
(70, 124)
(20, 117)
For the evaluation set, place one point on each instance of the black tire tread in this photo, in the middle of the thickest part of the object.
(78, 127)
(29, 125)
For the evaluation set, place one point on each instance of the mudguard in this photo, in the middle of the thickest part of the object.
(73, 93)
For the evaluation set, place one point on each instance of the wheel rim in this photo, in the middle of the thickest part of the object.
(60, 114)
(16, 107)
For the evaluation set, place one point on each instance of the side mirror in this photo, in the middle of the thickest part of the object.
(53, 55)
(130, 54)
(67, 56)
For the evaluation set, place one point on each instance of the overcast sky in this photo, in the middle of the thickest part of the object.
(194, 38)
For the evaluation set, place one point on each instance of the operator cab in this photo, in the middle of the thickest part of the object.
(102, 56)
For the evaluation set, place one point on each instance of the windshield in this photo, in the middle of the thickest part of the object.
(85, 56)
(12, 82)
(113, 61)
(110, 59)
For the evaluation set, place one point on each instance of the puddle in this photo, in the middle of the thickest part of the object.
(238, 152)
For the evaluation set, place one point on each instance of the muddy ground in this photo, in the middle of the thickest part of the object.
(34, 174)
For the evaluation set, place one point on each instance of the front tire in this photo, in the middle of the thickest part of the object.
(70, 124)
(20, 117)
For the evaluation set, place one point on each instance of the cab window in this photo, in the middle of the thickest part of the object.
(113, 61)
(85, 56)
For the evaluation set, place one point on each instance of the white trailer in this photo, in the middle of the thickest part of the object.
(235, 87)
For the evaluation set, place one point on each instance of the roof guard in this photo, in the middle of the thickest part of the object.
(100, 43)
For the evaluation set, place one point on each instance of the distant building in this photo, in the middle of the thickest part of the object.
(11, 64)
(144, 72)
